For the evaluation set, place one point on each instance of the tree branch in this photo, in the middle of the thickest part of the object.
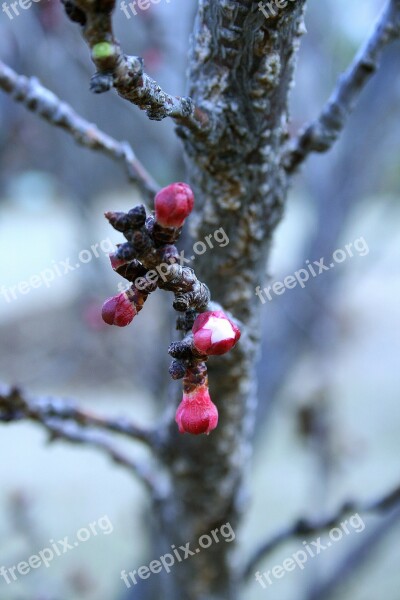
(125, 73)
(65, 421)
(71, 432)
(306, 527)
(15, 406)
(43, 102)
(320, 135)
(354, 560)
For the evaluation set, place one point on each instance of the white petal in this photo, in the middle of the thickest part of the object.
(221, 329)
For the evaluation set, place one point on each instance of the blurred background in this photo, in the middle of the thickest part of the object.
(329, 412)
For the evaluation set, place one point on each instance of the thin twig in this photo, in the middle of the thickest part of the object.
(357, 557)
(40, 100)
(125, 73)
(306, 527)
(320, 135)
(64, 421)
(15, 406)
(71, 432)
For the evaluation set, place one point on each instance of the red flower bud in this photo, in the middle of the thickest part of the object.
(214, 333)
(118, 310)
(173, 204)
(197, 413)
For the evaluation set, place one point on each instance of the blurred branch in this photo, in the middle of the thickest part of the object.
(15, 405)
(72, 433)
(306, 527)
(43, 102)
(125, 73)
(320, 135)
(65, 421)
(353, 560)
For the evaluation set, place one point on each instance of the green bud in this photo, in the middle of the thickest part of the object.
(102, 50)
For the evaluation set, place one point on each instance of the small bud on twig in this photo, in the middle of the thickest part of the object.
(173, 204)
(214, 333)
(177, 369)
(119, 220)
(74, 13)
(196, 413)
(118, 310)
(116, 262)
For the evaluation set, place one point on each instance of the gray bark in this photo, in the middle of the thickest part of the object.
(241, 64)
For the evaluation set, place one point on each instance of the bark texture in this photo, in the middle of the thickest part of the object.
(241, 67)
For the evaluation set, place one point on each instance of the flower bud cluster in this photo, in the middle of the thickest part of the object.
(150, 244)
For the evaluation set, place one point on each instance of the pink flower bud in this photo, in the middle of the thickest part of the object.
(118, 310)
(197, 413)
(214, 333)
(173, 204)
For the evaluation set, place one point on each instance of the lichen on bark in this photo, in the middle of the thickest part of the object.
(241, 67)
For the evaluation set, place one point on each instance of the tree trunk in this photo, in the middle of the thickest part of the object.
(241, 63)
